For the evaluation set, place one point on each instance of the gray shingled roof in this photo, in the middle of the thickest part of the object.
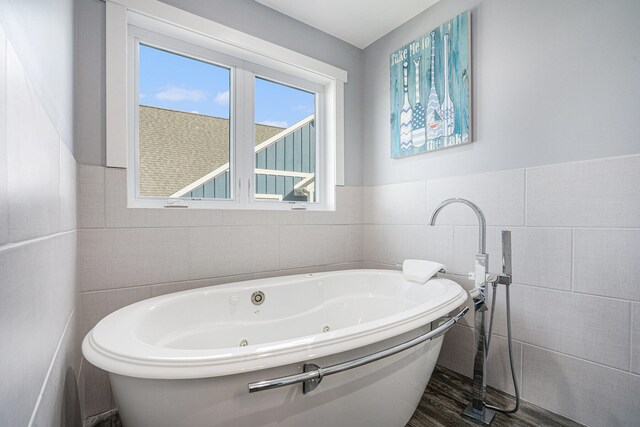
(177, 148)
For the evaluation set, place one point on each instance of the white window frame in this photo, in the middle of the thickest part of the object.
(159, 25)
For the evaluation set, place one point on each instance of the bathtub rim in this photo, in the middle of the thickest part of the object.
(188, 364)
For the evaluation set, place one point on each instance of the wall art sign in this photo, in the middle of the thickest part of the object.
(431, 90)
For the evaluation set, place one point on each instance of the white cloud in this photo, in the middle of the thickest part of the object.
(303, 108)
(222, 98)
(278, 124)
(195, 112)
(173, 93)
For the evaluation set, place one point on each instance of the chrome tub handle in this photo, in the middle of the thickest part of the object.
(313, 374)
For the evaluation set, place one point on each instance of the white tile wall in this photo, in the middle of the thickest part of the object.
(353, 265)
(635, 339)
(555, 264)
(380, 266)
(115, 258)
(597, 193)
(254, 217)
(575, 287)
(4, 198)
(465, 247)
(118, 215)
(37, 295)
(348, 209)
(466, 284)
(96, 390)
(500, 195)
(584, 326)
(289, 272)
(33, 147)
(68, 190)
(589, 393)
(96, 305)
(91, 208)
(607, 262)
(540, 256)
(395, 204)
(130, 254)
(458, 350)
(40, 358)
(392, 244)
(59, 401)
(167, 288)
(225, 251)
(355, 235)
(306, 245)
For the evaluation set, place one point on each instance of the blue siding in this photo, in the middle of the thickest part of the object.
(293, 152)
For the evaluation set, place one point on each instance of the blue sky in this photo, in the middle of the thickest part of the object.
(178, 83)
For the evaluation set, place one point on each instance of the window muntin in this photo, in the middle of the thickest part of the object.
(184, 126)
(285, 153)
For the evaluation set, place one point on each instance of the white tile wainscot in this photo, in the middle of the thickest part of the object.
(500, 195)
(607, 262)
(575, 297)
(38, 293)
(594, 193)
(562, 311)
(584, 391)
(127, 255)
(540, 256)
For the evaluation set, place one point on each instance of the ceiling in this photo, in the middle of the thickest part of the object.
(359, 22)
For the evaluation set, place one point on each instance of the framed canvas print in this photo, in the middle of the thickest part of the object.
(431, 90)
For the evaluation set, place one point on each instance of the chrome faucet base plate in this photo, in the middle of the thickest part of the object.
(485, 418)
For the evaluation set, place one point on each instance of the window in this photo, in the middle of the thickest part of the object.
(211, 124)
(285, 127)
(183, 126)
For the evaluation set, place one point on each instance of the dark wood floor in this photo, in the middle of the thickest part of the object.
(448, 393)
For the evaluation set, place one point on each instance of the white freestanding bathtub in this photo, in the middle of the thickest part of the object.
(187, 359)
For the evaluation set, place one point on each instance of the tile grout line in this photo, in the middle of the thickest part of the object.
(453, 246)
(453, 251)
(444, 224)
(573, 261)
(582, 359)
(525, 197)
(14, 245)
(51, 365)
(279, 228)
(631, 339)
(544, 288)
(187, 232)
(104, 197)
(522, 369)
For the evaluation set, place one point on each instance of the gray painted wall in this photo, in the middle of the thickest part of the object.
(42, 33)
(553, 81)
(244, 15)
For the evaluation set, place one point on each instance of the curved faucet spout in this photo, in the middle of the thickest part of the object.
(481, 221)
